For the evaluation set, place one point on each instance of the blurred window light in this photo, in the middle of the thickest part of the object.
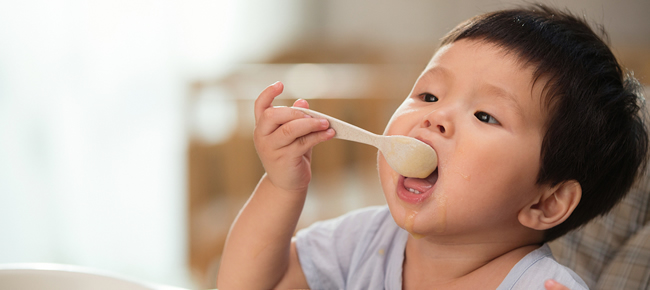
(92, 104)
(214, 116)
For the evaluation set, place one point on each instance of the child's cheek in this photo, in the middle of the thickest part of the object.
(440, 214)
(461, 163)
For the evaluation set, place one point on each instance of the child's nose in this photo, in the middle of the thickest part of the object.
(439, 121)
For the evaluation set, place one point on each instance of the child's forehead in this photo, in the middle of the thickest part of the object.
(466, 48)
(467, 53)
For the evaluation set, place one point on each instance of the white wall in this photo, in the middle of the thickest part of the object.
(395, 26)
(92, 128)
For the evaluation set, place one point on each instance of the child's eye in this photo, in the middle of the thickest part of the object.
(428, 97)
(486, 118)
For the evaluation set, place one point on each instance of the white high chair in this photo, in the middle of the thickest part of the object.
(67, 277)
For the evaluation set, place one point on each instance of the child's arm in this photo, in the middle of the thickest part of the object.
(258, 253)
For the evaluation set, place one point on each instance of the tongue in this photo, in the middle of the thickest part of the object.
(421, 184)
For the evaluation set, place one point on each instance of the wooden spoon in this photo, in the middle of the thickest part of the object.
(406, 155)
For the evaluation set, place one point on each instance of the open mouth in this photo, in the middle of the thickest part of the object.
(415, 190)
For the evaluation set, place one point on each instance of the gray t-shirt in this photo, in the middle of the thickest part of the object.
(364, 249)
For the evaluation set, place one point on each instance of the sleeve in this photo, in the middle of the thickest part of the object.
(538, 266)
(326, 248)
(545, 269)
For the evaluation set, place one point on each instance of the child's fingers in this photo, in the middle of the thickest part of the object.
(293, 131)
(301, 104)
(273, 118)
(554, 285)
(265, 99)
(308, 141)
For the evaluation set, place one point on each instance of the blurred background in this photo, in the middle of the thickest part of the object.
(125, 126)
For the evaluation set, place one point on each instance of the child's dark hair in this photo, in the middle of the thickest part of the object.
(595, 132)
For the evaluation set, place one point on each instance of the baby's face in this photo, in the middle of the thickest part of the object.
(478, 108)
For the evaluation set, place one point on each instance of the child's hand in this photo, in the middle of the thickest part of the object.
(554, 285)
(284, 138)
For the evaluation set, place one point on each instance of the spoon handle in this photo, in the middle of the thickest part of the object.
(345, 130)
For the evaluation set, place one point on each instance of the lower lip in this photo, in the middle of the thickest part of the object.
(410, 197)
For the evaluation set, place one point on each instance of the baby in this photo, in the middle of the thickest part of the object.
(537, 131)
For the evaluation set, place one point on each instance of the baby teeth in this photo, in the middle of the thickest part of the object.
(411, 190)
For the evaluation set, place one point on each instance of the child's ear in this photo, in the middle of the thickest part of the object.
(552, 207)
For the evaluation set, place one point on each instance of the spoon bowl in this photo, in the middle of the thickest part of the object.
(406, 155)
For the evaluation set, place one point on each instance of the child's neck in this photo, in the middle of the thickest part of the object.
(459, 266)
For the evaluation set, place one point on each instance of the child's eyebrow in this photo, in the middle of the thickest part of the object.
(509, 97)
(438, 70)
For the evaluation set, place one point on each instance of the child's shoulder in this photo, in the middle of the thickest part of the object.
(364, 223)
(538, 266)
(371, 213)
